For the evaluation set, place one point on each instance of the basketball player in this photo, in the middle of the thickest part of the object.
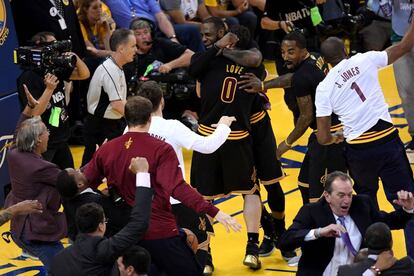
(168, 250)
(231, 168)
(373, 148)
(179, 136)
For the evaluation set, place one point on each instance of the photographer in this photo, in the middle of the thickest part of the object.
(48, 81)
(167, 54)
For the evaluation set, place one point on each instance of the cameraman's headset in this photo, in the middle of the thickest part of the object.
(152, 25)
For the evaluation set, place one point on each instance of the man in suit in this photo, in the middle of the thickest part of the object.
(74, 189)
(380, 259)
(92, 253)
(330, 231)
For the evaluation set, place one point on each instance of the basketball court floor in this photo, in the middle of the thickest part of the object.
(228, 248)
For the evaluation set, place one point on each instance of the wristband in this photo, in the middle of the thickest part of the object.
(143, 180)
(376, 269)
(287, 144)
(318, 233)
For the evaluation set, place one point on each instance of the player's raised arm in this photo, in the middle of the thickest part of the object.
(398, 50)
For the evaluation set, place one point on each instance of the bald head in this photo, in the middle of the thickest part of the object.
(333, 50)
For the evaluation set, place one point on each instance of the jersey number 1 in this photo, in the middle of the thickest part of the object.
(358, 90)
(228, 90)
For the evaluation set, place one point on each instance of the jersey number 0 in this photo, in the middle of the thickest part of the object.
(228, 90)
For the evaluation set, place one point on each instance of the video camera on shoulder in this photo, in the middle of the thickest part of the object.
(176, 83)
(46, 57)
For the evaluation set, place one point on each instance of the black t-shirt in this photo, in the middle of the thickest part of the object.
(220, 94)
(306, 78)
(162, 49)
(296, 11)
(35, 84)
(31, 17)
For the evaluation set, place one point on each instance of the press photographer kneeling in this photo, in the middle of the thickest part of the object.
(48, 65)
(164, 61)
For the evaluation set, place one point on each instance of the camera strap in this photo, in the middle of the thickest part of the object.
(58, 10)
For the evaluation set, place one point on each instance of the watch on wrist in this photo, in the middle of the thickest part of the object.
(173, 36)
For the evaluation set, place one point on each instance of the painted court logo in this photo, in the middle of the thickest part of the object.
(4, 31)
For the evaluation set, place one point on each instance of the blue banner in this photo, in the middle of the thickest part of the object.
(9, 104)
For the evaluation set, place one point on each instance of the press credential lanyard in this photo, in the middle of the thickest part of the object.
(54, 11)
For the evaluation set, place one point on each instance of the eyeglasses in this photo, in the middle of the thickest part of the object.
(106, 220)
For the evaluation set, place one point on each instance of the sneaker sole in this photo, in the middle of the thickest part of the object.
(267, 254)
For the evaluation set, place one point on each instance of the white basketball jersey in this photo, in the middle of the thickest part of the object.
(353, 92)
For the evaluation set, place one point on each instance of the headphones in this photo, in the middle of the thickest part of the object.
(152, 25)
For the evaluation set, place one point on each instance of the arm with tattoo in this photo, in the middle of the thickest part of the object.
(21, 208)
(5, 216)
(305, 104)
(248, 58)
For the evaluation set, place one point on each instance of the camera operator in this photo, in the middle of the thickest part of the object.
(287, 15)
(50, 82)
(168, 54)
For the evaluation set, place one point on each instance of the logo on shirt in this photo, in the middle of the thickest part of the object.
(4, 31)
(297, 15)
(128, 143)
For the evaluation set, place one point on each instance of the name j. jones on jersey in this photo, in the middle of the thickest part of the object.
(347, 75)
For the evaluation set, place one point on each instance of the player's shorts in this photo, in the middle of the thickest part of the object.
(318, 162)
(268, 168)
(230, 169)
(199, 224)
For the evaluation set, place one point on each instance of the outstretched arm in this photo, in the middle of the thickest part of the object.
(253, 84)
(398, 50)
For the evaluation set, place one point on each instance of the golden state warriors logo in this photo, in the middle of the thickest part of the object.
(4, 31)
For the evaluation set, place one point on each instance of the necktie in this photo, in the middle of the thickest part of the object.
(345, 237)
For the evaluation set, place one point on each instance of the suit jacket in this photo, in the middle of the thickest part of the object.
(317, 254)
(93, 255)
(71, 205)
(32, 177)
(404, 266)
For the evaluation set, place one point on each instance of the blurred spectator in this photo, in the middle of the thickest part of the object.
(57, 16)
(380, 259)
(135, 261)
(55, 113)
(260, 4)
(185, 12)
(107, 94)
(376, 36)
(235, 12)
(96, 28)
(92, 253)
(123, 11)
(287, 15)
(20, 209)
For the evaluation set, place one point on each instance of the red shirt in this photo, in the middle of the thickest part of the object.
(112, 161)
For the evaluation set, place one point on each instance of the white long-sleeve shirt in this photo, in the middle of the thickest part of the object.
(179, 136)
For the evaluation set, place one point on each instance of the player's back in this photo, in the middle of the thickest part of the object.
(220, 94)
(353, 92)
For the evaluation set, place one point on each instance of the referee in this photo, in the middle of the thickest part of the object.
(107, 94)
